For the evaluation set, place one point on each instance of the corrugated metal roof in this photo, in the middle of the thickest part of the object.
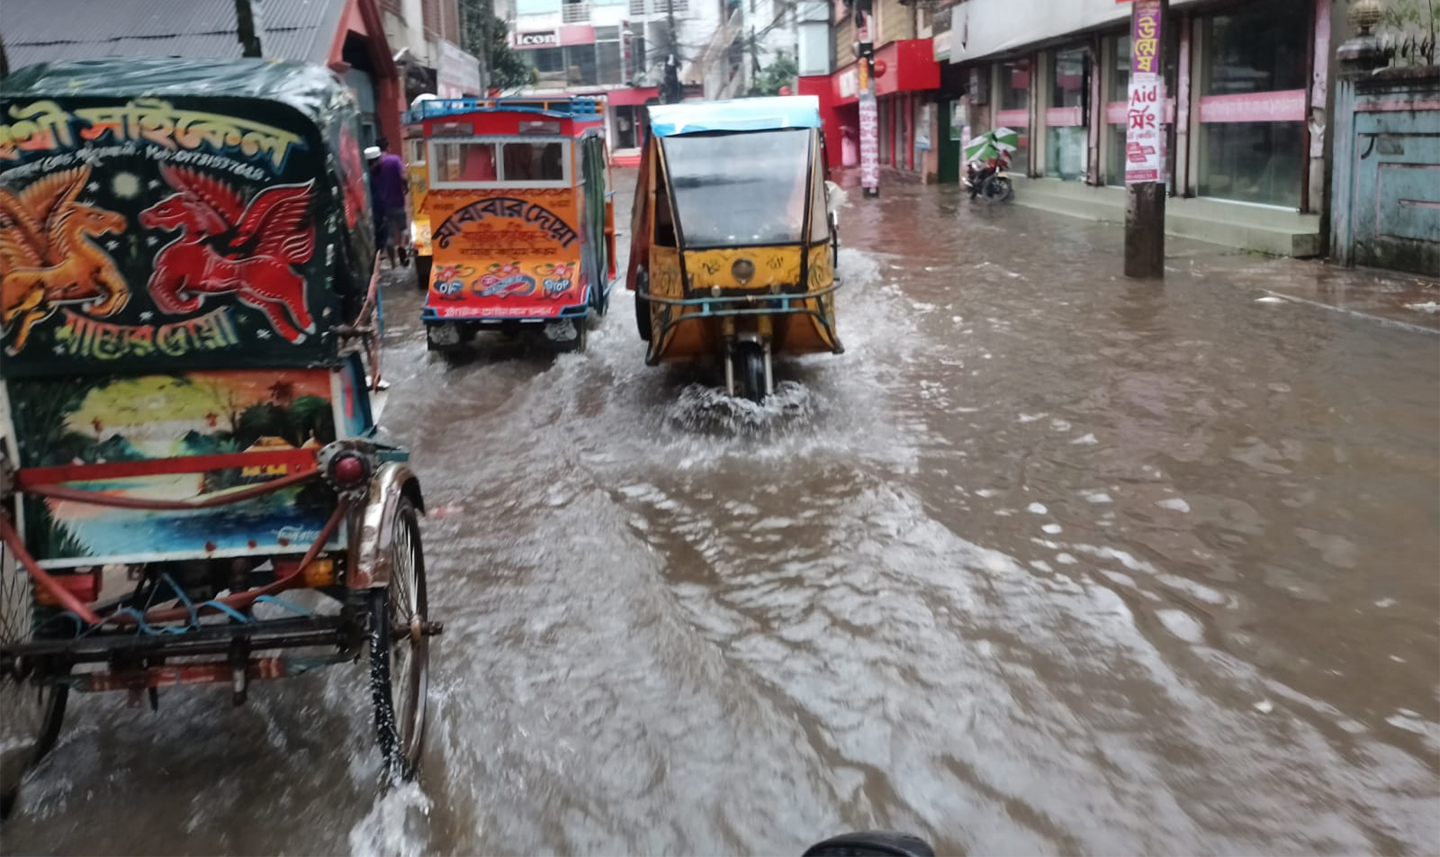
(49, 30)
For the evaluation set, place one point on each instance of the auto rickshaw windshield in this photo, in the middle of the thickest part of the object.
(736, 190)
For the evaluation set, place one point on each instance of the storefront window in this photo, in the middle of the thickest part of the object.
(1252, 106)
(1013, 100)
(1067, 142)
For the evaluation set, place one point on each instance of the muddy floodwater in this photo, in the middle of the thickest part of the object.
(1047, 562)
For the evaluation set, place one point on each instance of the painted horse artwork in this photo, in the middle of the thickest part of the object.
(50, 258)
(229, 247)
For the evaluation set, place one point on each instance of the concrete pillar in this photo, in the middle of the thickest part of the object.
(1358, 58)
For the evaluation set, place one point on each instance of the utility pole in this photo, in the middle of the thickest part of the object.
(247, 29)
(869, 118)
(1145, 170)
(754, 62)
(672, 92)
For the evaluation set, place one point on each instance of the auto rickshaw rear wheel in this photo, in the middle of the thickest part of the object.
(399, 651)
(31, 713)
(750, 365)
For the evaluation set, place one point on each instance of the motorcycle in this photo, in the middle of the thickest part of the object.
(988, 179)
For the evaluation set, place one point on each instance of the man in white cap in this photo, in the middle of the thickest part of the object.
(387, 198)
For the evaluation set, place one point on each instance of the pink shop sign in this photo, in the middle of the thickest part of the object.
(1288, 106)
(1013, 118)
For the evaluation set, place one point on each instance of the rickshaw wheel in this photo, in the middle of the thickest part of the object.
(750, 358)
(642, 307)
(30, 714)
(423, 266)
(399, 652)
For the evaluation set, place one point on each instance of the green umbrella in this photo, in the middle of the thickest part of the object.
(990, 144)
(1006, 140)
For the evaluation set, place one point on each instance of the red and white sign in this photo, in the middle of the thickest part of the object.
(459, 73)
(869, 144)
(1287, 106)
(1144, 130)
(1118, 112)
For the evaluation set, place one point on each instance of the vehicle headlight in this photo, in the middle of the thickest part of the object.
(743, 270)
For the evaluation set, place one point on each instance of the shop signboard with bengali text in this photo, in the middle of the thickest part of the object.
(1144, 127)
(869, 141)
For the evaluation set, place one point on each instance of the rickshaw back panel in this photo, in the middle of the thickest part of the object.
(512, 250)
(178, 240)
(149, 228)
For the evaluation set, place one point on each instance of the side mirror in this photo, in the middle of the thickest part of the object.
(872, 843)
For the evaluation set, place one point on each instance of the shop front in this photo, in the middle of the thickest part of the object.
(1067, 133)
(1252, 102)
(1012, 105)
(904, 69)
(1241, 80)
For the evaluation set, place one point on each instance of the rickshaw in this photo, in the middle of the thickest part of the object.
(192, 490)
(522, 221)
(734, 244)
(419, 175)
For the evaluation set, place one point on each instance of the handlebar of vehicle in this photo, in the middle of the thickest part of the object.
(872, 843)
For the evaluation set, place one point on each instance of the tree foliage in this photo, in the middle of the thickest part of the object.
(782, 71)
(1414, 27)
(483, 35)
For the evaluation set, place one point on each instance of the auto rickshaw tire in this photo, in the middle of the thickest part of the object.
(751, 359)
(423, 267)
(642, 306)
(400, 747)
(582, 334)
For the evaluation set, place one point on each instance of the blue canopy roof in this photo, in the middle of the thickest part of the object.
(742, 114)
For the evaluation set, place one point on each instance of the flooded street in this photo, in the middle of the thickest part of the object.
(1047, 562)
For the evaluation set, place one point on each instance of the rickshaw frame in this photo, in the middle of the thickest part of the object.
(369, 544)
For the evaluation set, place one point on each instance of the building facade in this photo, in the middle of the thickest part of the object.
(1247, 83)
(346, 35)
(425, 36)
(619, 48)
(908, 88)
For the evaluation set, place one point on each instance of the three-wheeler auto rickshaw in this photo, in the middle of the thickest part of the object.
(189, 447)
(733, 245)
(522, 223)
(419, 176)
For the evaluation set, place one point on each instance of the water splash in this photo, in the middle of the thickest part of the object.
(709, 411)
(398, 824)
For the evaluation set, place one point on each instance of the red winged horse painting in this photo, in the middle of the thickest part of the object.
(228, 247)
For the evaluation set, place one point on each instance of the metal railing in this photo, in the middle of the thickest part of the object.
(658, 7)
(575, 13)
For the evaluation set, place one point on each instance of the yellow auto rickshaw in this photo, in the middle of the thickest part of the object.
(419, 176)
(734, 244)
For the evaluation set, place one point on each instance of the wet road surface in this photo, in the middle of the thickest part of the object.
(1047, 562)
